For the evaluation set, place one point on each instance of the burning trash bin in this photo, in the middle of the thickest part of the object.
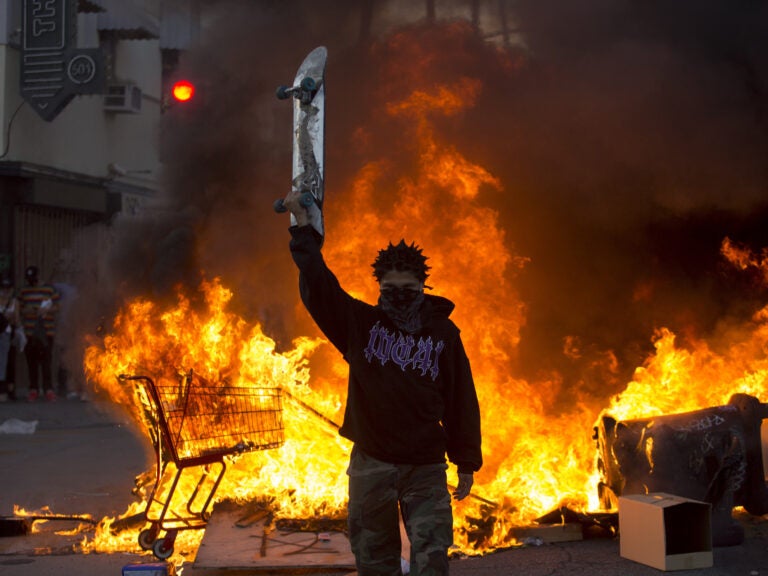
(712, 455)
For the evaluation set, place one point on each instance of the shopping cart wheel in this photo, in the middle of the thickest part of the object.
(163, 548)
(147, 537)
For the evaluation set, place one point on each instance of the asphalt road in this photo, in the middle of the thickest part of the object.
(83, 457)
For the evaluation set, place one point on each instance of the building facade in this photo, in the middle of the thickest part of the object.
(82, 93)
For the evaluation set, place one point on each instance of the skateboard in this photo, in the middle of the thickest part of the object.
(308, 92)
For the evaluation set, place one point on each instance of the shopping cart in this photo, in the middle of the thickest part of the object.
(195, 424)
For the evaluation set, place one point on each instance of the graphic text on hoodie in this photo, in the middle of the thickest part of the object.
(404, 350)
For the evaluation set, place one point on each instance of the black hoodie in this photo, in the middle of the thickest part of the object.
(411, 398)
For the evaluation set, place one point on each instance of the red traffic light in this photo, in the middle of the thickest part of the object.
(183, 91)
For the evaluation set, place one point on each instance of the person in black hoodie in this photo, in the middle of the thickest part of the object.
(411, 400)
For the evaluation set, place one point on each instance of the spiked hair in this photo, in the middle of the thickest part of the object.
(403, 258)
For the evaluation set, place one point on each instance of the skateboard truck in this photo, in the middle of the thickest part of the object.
(306, 200)
(304, 92)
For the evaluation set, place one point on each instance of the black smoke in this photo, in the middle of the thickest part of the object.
(630, 138)
(639, 140)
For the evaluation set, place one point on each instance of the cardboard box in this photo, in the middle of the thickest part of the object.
(665, 531)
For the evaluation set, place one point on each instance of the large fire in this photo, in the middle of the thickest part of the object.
(536, 460)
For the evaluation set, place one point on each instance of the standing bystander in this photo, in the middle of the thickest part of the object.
(39, 303)
(63, 350)
(9, 322)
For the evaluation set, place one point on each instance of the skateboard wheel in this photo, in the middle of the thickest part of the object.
(282, 93)
(279, 206)
(307, 199)
(308, 84)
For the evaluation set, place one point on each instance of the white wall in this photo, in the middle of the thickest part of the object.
(84, 138)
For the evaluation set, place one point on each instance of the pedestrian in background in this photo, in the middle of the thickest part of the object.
(39, 303)
(9, 322)
(68, 376)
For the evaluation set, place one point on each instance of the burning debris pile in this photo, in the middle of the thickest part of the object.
(531, 176)
(304, 478)
(711, 455)
(233, 363)
(195, 425)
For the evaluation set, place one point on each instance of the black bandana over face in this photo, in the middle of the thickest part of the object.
(402, 305)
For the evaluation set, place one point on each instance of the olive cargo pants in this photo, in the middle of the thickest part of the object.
(376, 489)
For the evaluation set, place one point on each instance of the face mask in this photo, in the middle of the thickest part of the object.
(402, 305)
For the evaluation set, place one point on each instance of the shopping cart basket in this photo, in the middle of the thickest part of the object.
(196, 424)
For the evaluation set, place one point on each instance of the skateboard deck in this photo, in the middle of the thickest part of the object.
(308, 92)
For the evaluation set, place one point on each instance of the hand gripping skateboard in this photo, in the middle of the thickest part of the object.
(308, 93)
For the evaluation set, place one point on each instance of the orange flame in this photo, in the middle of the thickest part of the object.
(220, 347)
(706, 373)
(535, 460)
(743, 258)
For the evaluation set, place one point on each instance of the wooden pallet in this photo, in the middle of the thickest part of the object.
(238, 539)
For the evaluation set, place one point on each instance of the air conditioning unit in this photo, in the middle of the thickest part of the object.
(123, 98)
